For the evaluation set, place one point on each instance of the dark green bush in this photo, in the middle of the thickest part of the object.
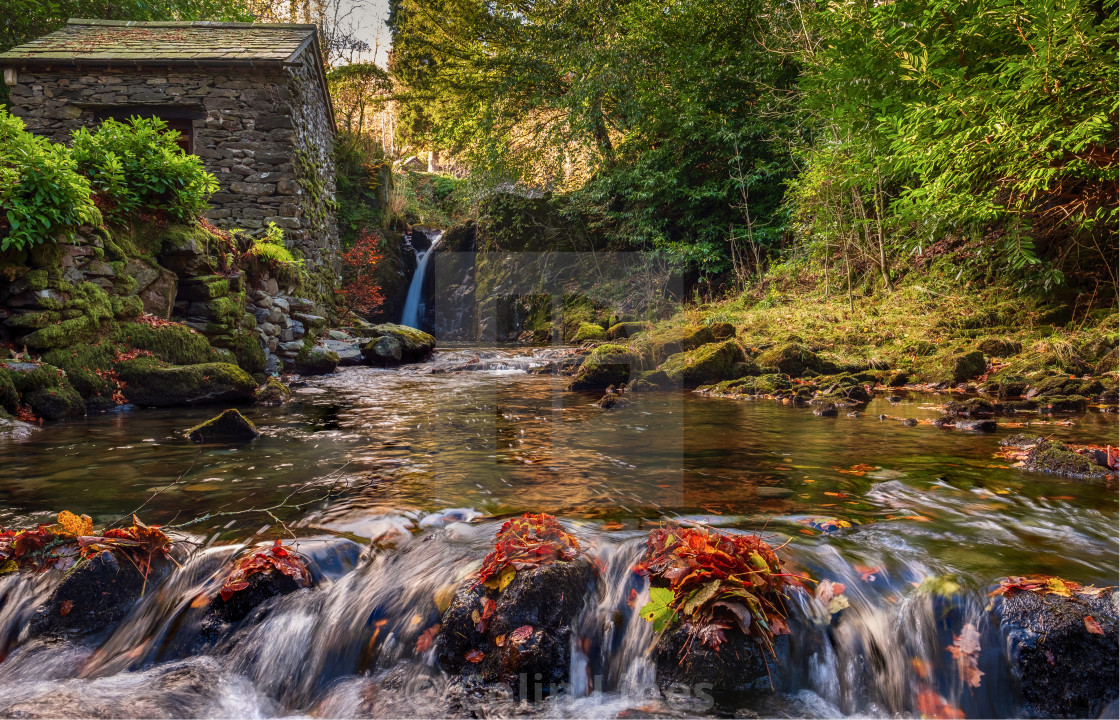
(136, 166)
(41, 192)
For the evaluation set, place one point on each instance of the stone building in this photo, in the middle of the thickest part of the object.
(250, 99)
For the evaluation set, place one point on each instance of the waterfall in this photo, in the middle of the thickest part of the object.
(413, 307)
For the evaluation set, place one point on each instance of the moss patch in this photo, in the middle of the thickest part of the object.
(606, 365)
(176, 344)
(706, 364)
(155, 384)
(588, 331)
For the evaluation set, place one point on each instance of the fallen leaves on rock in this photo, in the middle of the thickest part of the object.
(71, 540)
(530, 541)
(276, 558)
(1046, 585)
(714, 582)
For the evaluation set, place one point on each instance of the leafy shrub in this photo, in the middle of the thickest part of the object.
(136, 167)
(270, 252)
(41, 192)
(360, 291)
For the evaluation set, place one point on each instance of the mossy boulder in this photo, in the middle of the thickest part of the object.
(229, 426)
(793, 359)
(588, 331)
(606, 365)
(416, 345)
(975, 406)
(58, 403)
(1063, 404)
(249, 353)
(176, 343)
(1054, 457)
(1108, 363)
(1011, 386)
(999, 347)
(625, 330)
(706, 364)
(272, 392)
(92, 312)
(966, 366)
(9, 398)
(316, 360)
(152, 383)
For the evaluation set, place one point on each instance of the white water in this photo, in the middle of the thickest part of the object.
(412, 305)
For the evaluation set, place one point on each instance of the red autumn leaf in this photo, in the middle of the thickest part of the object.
(932, 705)
(474, 656)
(427, 639)
(527, 542)
(1093, 626)
(66, 607)
(521, 634)
(488, 606)
(276, 558)
(966, 650)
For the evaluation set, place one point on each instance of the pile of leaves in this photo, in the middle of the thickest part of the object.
(714, 582)
(71, 539)
(276, 558)
(524, 543)
(1046, 585)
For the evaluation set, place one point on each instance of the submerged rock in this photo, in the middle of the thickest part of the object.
(229, 426)
(976, 425)
(1064, 668)
(975, 406)
(613, 400)
(827, 409)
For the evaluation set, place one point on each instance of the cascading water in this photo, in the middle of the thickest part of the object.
(413, 305)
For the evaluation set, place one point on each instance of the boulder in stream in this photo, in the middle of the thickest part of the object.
(606, 365)
(511, 625)
(230, 426)
(415, 345)
(272, 392)
(1062, 640)
(317, 360)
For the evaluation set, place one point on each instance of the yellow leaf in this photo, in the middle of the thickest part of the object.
(502, 580)
(443, 598)
(1057, 587)
(8, 566)
(71, 524)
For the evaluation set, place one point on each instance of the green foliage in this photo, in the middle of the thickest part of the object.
(137, 166)
(41, 193)
(363, 184)
(659, 610)
(272, 254)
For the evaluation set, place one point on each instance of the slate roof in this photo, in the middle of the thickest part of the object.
(108, 42)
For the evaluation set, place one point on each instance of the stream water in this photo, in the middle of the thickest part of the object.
(418, 466)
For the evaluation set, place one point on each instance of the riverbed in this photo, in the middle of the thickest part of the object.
(422, 463)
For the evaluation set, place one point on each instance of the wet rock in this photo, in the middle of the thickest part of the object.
(228, 427)
(945, 421)
(975, 406)
(793, 359)
(707, 364)
(384, 351)
(606, 365)
(262, 587)
(613, 401)
(910, 422)
(1064, 404)
(349, 351)
(894, 399)
(742, 665)
(540, 604)
(272, 392)
(316, 361)
(826, 410)
(151, 383)
(1051, 456)
(1062, 668)
(1011, 386)
(977, 425)
(95, 594)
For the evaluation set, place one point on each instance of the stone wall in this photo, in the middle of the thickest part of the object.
(266, 134)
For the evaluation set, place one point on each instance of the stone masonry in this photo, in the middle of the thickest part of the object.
(250, 99)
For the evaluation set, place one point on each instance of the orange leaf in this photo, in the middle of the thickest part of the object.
(474, 656)
(68, 605)
(1093, 626)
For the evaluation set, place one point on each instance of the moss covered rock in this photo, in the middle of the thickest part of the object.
(966, 366)
(152, 383)
(229, 426)
(272, 392)
(606, 365)
(316, 360)
(625, 330)
(9, 398)
(416, 345)
(999, 347)
(793, 359)
(706, 364)
(975, 406)
(57, 403)
(588, 331)
(176, 343)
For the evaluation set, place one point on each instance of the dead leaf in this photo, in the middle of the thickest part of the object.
(966, 650)
(1093, 626)
(475, 656)
(68, 605)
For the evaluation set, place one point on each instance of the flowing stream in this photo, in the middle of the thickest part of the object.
(413, 312)
(403, 476)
